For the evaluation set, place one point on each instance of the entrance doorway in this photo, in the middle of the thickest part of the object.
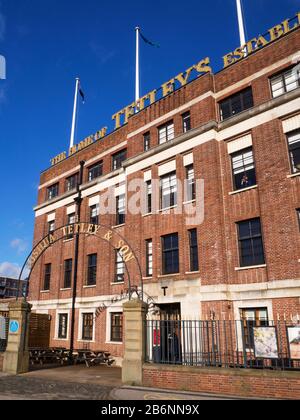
(170, 312)
(169, 351)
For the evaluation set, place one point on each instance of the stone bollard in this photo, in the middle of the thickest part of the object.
(135, 313)
(16, 357)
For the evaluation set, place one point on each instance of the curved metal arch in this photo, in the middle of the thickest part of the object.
(110, 229)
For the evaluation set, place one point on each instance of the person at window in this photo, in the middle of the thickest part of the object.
(245, 182)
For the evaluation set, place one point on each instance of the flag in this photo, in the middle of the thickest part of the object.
(81, 94)
(149, 42)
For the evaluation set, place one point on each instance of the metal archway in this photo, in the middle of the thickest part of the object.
(83, 228)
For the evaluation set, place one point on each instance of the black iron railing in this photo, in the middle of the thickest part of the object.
(224, 344)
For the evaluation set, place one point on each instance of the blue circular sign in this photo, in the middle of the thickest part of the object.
(14, 327)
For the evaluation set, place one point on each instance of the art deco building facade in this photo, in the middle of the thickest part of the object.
(232, 139)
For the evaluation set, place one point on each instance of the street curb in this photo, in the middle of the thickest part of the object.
(114, 393)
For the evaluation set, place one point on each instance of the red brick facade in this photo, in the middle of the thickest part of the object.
(220, 285)
(274, 385)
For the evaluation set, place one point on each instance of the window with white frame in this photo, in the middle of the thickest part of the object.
(119, 268)
(190, 183)
(285, 82)
(149, 258)
(121, 210)
(166, 133)
(186, 122)
(95, 171)
(63, 326)
(72, 182)
(94, 214)
(52, 192)
(168, 190)
(148, 197)
(147, 140)
(87, 326)
(251, 318)
(116, 334)
(71, 221)
(294, 150)
(51, 226)
(243, 167)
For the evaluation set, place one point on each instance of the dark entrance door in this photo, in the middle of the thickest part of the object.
(170, 333)
(170, 312)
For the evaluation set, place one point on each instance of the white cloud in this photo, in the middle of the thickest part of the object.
(9, 270)
(19, 245)
(12, 270)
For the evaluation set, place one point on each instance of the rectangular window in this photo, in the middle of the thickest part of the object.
(149, 197)
(118, 159)
(170, 254)
(251, 243)
(166, 133)
(68, 274)
(95, 171)
(194, 257)
(47, 277)
(191, 186)
(186, 122)
(117, 328)
(147, 144)
(52, 192)
(149, 258)
(92, 270)
(298, 216)
(51, 227)
(243, 167)
(71, 221)
(87, 327)
(94, 214)
(120, 268)
(168, 191)
(121, 210)
(294, 150)
(253, 318)
(285, 82)
(63, 326)
(236, 104)
(72, 182)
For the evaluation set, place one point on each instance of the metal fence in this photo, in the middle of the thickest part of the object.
(224, 344)
(4, 321)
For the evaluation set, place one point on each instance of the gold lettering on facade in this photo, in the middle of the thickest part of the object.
(108, 236)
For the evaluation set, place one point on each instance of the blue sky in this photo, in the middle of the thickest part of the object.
(47, 43)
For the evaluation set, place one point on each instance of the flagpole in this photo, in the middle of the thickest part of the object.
(241, 22)
(137, 67)
(72, 140)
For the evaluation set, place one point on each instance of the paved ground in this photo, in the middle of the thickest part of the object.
(67, 383)
(81, 383)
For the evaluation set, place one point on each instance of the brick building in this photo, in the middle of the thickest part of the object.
(232, 139)
(9, 288)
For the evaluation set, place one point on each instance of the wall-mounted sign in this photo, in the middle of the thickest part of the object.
(294, 342)
(14, 327)
(265, 343)
(121, 118)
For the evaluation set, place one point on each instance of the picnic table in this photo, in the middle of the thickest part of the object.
(93, 358)
(60, 356)
(44, 356)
